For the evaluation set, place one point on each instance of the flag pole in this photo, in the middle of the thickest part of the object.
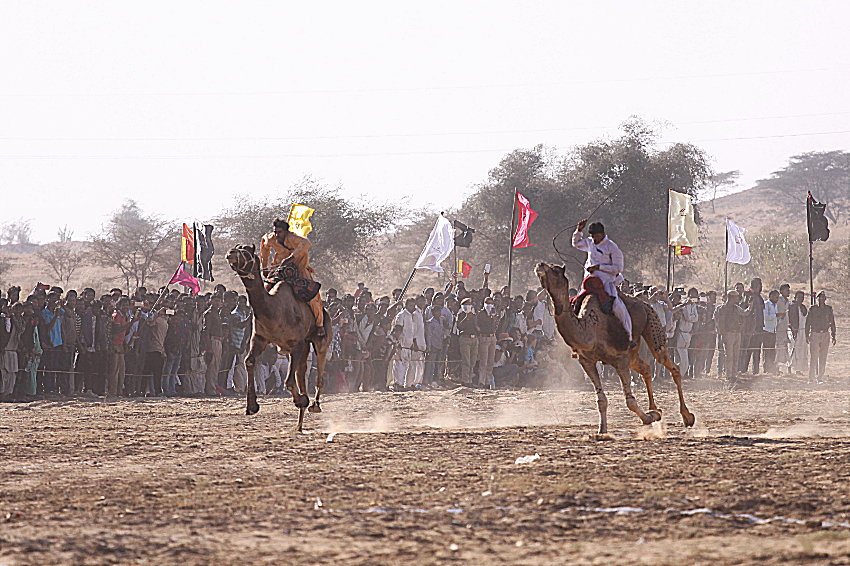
(811, 272)
(511, 249)
(726, 263)
(406, 285)
(669, 250)
(811, 248)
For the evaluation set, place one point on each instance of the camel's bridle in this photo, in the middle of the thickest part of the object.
(245, 265)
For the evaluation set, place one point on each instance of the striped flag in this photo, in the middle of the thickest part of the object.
(463, 268)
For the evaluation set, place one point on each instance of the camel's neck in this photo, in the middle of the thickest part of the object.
(256, 290)
(572, 329)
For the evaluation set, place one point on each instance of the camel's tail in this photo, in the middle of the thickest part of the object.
(654, 332)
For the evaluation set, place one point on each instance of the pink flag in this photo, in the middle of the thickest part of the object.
(180, 276)
(526, 219)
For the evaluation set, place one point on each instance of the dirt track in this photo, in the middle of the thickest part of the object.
(427, 478)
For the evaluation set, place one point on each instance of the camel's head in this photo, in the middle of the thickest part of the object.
(553, 278)
(244, 261)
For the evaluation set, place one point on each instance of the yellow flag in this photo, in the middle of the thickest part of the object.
(299, 219)
(682, 229)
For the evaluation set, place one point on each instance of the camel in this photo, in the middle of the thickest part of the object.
(598, 337)
(283, 320)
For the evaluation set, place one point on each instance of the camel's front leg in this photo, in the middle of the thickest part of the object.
(622, 368)
(664, 358)
(640, 366)
(321, 358)
(601, 400)
(297, 360)
(258, 344)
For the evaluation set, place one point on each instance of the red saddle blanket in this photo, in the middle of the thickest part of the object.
(593, 285)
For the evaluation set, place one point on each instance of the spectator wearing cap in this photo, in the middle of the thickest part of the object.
(486, 343)
(820, 321)
(467, 326)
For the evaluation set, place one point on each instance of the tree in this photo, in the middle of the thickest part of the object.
(344, 230)
(137, 245)
(723, 180)
(825, 173)
(17, 232)
(565, 190)
(62, 258)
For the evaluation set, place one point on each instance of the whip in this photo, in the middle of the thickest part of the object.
(554, 240)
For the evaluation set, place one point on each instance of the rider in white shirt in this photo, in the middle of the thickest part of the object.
(604, 260)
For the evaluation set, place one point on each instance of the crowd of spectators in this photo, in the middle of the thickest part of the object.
(751, 332)
(64, 343)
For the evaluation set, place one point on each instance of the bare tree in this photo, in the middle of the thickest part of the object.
(723, 180)
(62, 259)
(64, 234)
(16, 232)
(137, 245)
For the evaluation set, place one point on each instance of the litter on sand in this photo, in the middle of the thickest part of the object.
(527, 459)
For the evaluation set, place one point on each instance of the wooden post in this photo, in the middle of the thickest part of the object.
(511, 248)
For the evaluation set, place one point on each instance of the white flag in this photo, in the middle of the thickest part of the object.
(439, 247)
(739, 250)
(682, 227)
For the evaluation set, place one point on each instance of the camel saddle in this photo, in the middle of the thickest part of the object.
(303, 289)
(592, 285)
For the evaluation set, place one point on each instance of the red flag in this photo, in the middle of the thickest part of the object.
(180, 276)
(464, 268)
(526, 219)
(187, 244)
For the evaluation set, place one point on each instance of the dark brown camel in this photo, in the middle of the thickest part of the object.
(598, 337)
(283, 320)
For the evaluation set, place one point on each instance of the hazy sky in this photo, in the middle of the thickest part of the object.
(182, 105)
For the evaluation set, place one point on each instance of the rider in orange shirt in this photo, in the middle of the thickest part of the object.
(289, 246)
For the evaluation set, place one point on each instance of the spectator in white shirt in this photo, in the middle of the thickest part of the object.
(770, 325)
(687, 315)
(401, 366)
(783, 339)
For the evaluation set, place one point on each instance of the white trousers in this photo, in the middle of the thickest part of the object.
(417, 368)
(401, 366)
(684, 342)
(620, 310)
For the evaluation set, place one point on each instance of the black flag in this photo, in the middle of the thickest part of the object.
(464, 239)
(818, 224)
(204, 250)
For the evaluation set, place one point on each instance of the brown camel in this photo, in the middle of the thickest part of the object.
(598, 337)
(283, 320)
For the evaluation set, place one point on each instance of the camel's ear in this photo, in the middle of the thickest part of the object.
(253, 248)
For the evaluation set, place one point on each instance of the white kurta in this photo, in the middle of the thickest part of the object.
(608, 256)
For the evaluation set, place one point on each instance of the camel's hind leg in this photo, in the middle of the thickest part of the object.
(601, 400)
(622, 368)
(640, 366)
(258, 344)
(664, 359)
(321, 357)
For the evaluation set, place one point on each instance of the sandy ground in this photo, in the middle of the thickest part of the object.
(430, 478)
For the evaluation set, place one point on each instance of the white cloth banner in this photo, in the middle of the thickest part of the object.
(440, 244)
(739, 250)
(682, 227)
